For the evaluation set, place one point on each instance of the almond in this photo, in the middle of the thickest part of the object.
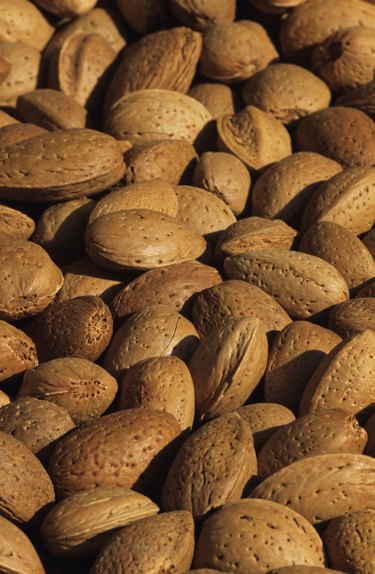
(369, 241)
(14, 224)
(201, 14)
(361, 98)
(18, 554)
(353, 317)
(52, 110)
(218, 98)
(144, 16)
(67, 8)
(17, 352)
(368, 290)
(21, 21)
(24, 64)
(14, 133)
(264, 420)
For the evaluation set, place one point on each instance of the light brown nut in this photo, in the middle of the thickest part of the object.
(6, 119)
(201, 14)
(4, 399)
(304, 570)
(4, 70)
(14, 224)
(264, 420)
(133, 449)
(24, 64)
(235, 51)
(361, 98)
(353, 317)
(58, 166)
(323, 486)
(144, 16)
(287, 92)
(296, 353)
(370, 429)
(26, 489)
(304, 285)
(236, 299)
(156, 331)
(255, 536)
(227, 366)
(335, 382)
(212, 467)
(254, 136)
(369, 241)
(153, 544)
(218, 98)
(285, 188)
(80, 327)
(21, 21)
(141, 239)
(174, 285)
(346, 135)
(18, 554)
(80, 525)
(161, 383)
(18, 132)
(17, 352)
(348, 198)
(67, 8)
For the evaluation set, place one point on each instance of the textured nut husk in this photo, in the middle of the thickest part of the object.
(353, 317)
(323, 486)
(152, 115)
(254, 136)
(201, 14)
(51, 109)
(26, 489)
(369, 241)
(132, 448)
(285, 188)
(58, 166)
(35, 279)
(4, 399)
(18, 555)
(14, 133)
(24, 64)
(303, 285)
(228, 365)
(314, 20)
(236, 299)
(346, 135)
(361, 98)
(287, 92)
(6, 119)
(370, 429)
(67, 8)
(217, 98)
(81, 327)
(235, 51)
(162, 383)
(21, 21)
(257, 535)
(226, 177)
(77, 385)
(341, 248)
(156, 331)
(14, 224)
(144, 16)
(264, 420)
(4, 69)
(17, 351)
(141, 239)
(304, 570)
(335, 383)
(348, 198)
(80, 525)
(296, 353)
(158, 543)
(332, 431)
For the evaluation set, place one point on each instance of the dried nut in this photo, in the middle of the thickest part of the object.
(18, 555)
(122, 240)
(80, 327)
(156, 331)
(212, 467)
(63, 165)
(334, 385)
(322, 486)
(4, 72)
(4, 399)
(26, 489)
(167, 541)
(76, 385)
(67, 8)
(14, 224)
(80, 525)
(35, 279)
(6, 119)
(369, 241)
(21, 21)
(285, 188)
(51, 109)
(225, 176)
(254, 136)
(162, 383)
(201, 14)
(361, 98)
(264, 420)
(227, 366)
(304, 569)
(257, 532)
(144, 16)
(367, 290)
(14, 133)
(343, 134)
(217, 98)
(353, 317)
(17, 352)
(24, 64)
(303, 285)
(235, 51)
(296, 353)
(133, 450)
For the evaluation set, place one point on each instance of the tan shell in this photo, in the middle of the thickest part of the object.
(17, 351)
(228, 365)
(132, 448)
(6, 119)
(80, 525)
(144, 16)
(258, 535)
(361, 98)
(4, 399)
(51, 109)
(304, 570)
(353, 317)
(217, 98)
(212, 467)
(254, 136)
(4, 70)
(78, 386)
(200, 14)
(264, 420)
(24, 64)
(141, 239)
(323, 486)
(18, 555)
(335, 382)
(14, 224)
(304, 285)
(153, 544)
(14, 133)
(346, 135)
(67, 8)
(156, 331)
(21, 21)
(296, 353)
(285, 188)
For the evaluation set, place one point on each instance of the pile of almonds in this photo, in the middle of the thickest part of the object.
(187, 286)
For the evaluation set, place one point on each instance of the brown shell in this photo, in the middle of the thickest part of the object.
(361, 98)
(370, 429)
(367, 290)
(24, 64)
(18, 132)
(17, 351)
(353, 317)
(21, 21)
(304, 570)
(264, 420)
(67, 8)
(369, 241)
(144, 16)
(18, 555)
(217, 98)
(6, 119)
(200, 14)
